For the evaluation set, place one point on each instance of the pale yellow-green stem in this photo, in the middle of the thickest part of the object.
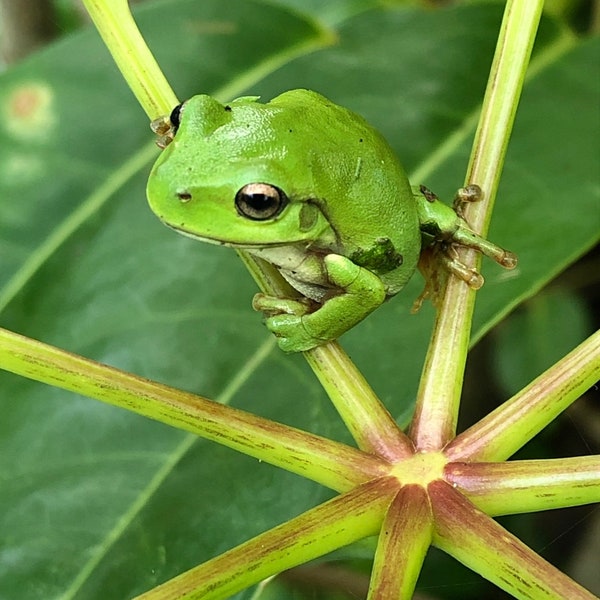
(483, 545)
(434, 422)
(123, 39)
(404, 539)
(336, 523)
(519, 486)
(509, 427)
(367, 419)
(330, 463)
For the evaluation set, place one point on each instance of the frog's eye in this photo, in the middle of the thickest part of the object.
(175, 117)
(260, 201)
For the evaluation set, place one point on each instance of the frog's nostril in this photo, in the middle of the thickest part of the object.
(184, 196)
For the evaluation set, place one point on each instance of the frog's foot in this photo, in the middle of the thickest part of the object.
(448, 231)
(447, 227)
(436, 277)
(292, 333)
(272, 305)
(284, 317)
(164, 131)
(452, 263)
(301, 324)
(464, 196)
(464, 236)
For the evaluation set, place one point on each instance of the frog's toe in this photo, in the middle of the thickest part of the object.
(291, 333)
(272, 305)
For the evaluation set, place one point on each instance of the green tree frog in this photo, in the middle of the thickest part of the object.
(311, 188)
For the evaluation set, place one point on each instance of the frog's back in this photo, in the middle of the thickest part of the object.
(358, 183)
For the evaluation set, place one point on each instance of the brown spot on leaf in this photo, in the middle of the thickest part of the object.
(25, 102)
(28, 111)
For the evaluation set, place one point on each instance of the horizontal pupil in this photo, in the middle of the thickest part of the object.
(260, 200)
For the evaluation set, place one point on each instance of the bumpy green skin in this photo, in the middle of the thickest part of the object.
(349, 235)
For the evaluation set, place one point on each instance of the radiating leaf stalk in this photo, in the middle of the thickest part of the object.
(404, 539)
(329, 526)
(367, 419)
(434, 422)
(501, 433)
(480, 543)
(333, 464)
(115, 23)
(520, 486)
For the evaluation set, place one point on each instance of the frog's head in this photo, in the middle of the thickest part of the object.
(233, 174)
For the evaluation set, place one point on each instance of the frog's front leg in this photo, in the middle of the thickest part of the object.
(359, 292)
(446, 225)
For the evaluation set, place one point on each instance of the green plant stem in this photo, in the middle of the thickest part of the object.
(122, 37)
(332, 464)
(329, 526)
(521, 486)
(404, 539)
(501, 433)
(369, 422)
(434, 422)
(480, 543)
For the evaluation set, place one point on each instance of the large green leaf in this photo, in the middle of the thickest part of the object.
(98, 503)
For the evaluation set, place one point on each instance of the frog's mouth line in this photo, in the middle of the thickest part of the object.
(214, 242)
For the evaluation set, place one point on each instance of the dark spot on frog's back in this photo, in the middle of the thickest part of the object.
(380, 258)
